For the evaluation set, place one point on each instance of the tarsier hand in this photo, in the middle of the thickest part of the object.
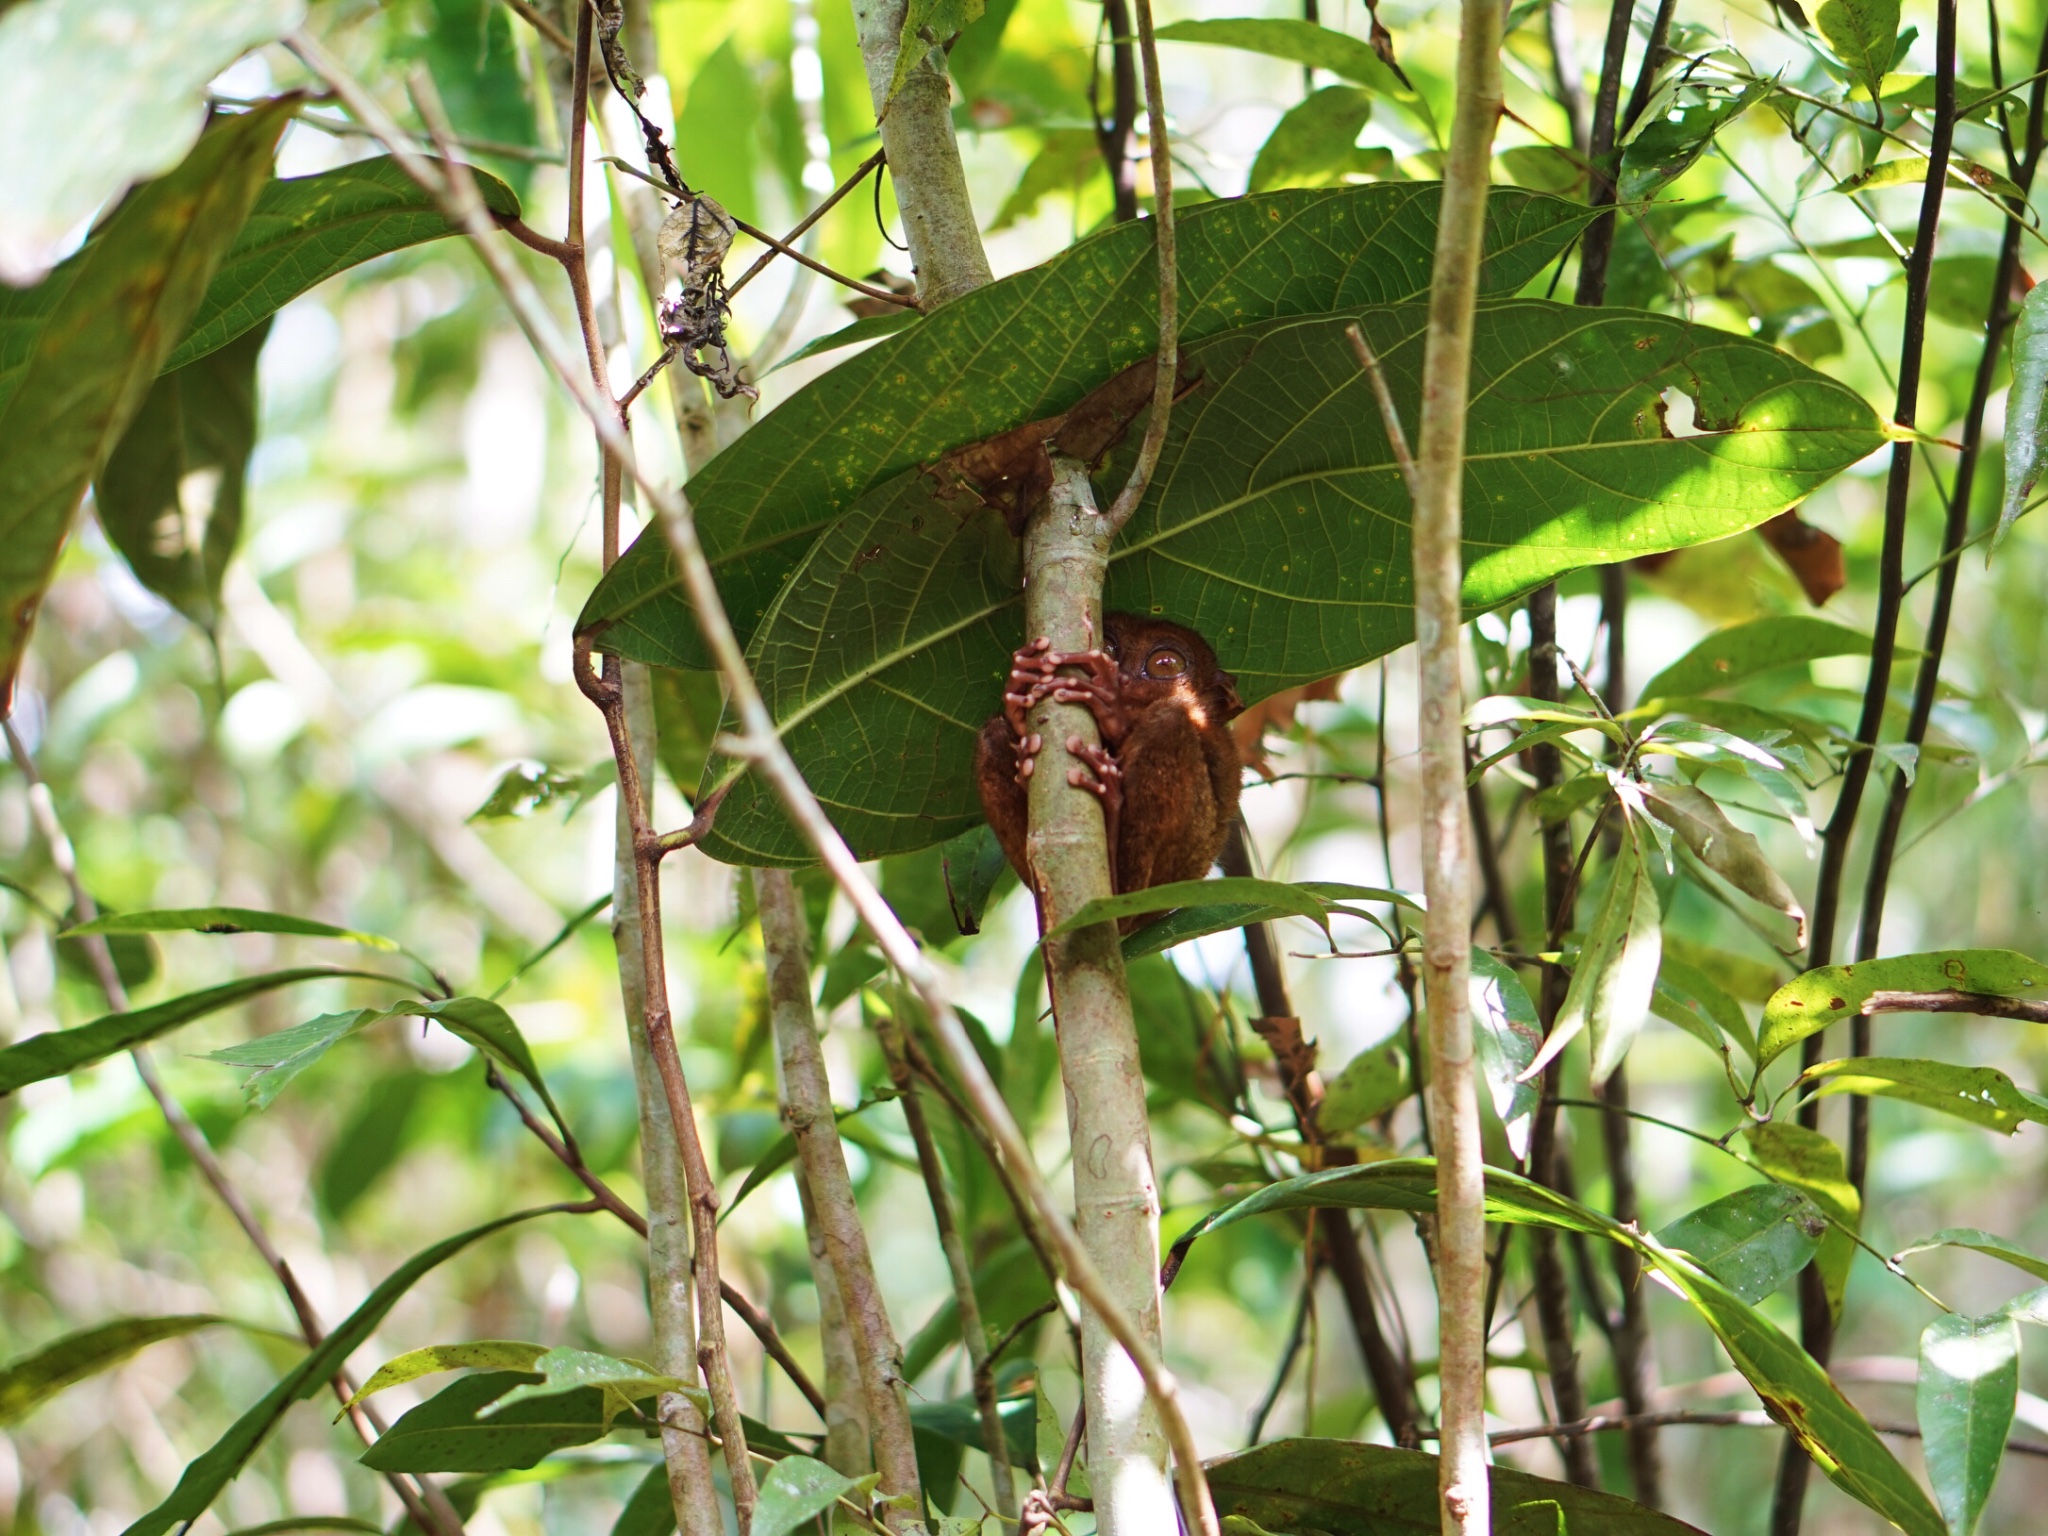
(1167, 771)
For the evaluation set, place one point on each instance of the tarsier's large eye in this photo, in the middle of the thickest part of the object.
(1166, 662)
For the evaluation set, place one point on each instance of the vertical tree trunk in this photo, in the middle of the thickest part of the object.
(1446, 851)
(1116, 1197)
(807, 1105)
(924, 160)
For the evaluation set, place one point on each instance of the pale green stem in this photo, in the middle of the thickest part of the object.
(924, 159)
(1116, 1195)
(1446, 847)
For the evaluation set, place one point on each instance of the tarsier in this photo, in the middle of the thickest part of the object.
(1167, 771)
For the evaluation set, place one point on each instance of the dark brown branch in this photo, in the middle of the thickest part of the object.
(1113, 137)
(1816, 1317)
(2021, 170)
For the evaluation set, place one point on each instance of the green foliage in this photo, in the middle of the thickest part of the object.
(66, 1050)
(1314, 142)
(1025, 348)
(303, 230)
(72, 383)
(205, 1477)
(1863, 34)
(1616, 973)
(1796, 1391)
(146, 64)
(1969, 1385)
(2023, 426)
(28, 1383)
(1808, 1161)
(451, 1433)
(1276, 488)
(798, 1489)
(1349, 1489)
(170, 494)
(1752, 1241)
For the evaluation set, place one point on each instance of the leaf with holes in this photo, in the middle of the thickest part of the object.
(1752, 1241)
(1982, 1095)
(1810, 1003)
(1277, 526)
(78, 352)
(1027, 348)
(1969, 1386)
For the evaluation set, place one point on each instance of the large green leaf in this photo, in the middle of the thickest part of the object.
(28, 1382)
(1299, 42)
(1808, 1004)
(797, 1490)
(304, 229)
(66, 1050)
(1743, 650)
(1346, 1488)
(1979, 1241)
(1795, 1391)
(1969, 1386)
(146, 64)
(224, 920)
(1028, 347)
(473, 1355)
(170, 494)
(204, 1478)
(87, 366)
(1277, 525)
(1314, 143)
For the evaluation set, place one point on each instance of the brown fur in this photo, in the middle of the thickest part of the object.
(1168, 738)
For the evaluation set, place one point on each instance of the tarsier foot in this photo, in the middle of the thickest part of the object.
(1104, 779)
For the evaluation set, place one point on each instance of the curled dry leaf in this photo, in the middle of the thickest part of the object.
(1275, 713)
(1813, 554)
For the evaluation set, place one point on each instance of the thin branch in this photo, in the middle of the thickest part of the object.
(1166, 362)
(779, 247)
(763, 745)
(758, 1322)
(966, 1304)
(1390, 414)
(776, 247)
(1749, 1418)
(533, 18)
(807, 1110)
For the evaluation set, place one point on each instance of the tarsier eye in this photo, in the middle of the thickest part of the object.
(1165, 662)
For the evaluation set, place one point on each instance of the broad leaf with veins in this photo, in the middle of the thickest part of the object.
(1028, 347)
(1277, 525)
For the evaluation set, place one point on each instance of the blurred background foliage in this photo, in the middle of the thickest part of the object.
(393, 640)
